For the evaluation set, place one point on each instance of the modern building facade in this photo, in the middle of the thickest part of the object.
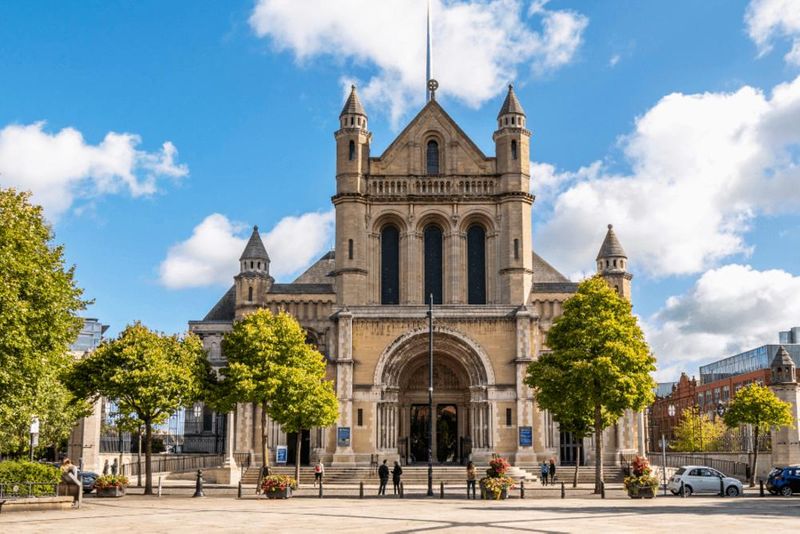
(433, 217)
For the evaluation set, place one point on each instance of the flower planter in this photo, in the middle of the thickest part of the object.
(643, 492)
(488, 495)
(111, 491)
(279, 494)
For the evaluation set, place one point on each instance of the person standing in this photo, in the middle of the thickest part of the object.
(383, 475)
(545, 469)
(471, 476)
(552, 470)
(396, 472)
(105, 467)
(319, 472)
(114, 467)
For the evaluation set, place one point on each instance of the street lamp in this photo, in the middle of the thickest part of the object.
(34, 434)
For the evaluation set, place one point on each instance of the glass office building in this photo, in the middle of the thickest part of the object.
(89, 337)
(747, 361)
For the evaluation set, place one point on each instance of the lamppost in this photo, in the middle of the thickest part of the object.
(671, 413)
(34, 434)
(430, 396)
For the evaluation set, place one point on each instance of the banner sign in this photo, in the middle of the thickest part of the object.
(281, 454)
(343, 436)
(525, 436)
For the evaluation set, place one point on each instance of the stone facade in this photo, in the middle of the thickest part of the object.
(786, 440)
(431, 217)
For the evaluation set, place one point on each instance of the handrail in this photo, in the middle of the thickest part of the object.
(176, 463)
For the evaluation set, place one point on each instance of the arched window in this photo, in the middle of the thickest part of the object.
(476, 265)
(513, 150)
(433, 157)
(433, 263)
(390, 265)
(250, 293)
(352, 151)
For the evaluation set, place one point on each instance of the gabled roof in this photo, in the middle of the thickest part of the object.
(319, 272)
(511, 103)
(353, 104)
(543, 272)
(225, 308)
(255, 248)
(432, 107)
(611, 247)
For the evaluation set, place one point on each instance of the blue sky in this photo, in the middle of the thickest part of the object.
(156, 133)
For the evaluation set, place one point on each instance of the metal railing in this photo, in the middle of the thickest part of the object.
(23, 490)
(174, 464)
(242, 459)
(727, 467)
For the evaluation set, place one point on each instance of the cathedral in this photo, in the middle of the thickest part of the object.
(432, 218)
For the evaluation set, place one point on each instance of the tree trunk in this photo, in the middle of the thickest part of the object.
(598, 447)
(577, 466)
(148, 457)
(752, 480)
(264, 447)
(297, 457)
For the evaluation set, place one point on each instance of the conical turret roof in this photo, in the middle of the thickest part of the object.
(782, 358)
(353, 105)
(511, 103)
(255, 248)
(611, 247)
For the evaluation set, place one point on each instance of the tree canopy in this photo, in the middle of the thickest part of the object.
(39, 302)
(599, 363)
(758, 406)
(146, 374)
(696, 431)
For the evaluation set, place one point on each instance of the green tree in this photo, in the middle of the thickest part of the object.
(147, 375)
(697, 432)
(758, 406)
(599, 360)
(39, 302)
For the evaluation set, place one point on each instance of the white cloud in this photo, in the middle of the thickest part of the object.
(702, 167)
(728, 310)
(58, 167)
(478, 47)
(768, 20)
(612, 62)
(210, 256)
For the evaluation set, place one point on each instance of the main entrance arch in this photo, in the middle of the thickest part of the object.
(461, 410)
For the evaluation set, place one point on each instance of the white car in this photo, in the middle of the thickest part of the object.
(702, 479)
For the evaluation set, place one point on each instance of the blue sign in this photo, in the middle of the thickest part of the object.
(343, 436)
(281, 454)
(525, 436)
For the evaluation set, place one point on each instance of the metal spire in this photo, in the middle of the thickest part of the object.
(429, 58)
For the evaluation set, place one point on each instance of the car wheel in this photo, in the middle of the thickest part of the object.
(687, 490)
(732, 491)
(786, 491)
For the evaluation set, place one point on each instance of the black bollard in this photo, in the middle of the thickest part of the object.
(239, 492)
(361, 490)
(563, 493)
(721, 487)
(401, 490)
(522, 489)
(683, 490)
(320, 488)
(467, 489)
(441, 490)
(602, 490)
(198, 486)
(761, 488)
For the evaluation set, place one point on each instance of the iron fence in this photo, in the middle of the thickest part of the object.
(727, 467)
(173, 464)
(23, 490)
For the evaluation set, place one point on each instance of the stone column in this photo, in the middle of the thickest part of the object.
(524, 404)
(344, 385)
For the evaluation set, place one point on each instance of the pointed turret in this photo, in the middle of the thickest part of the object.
(353, 114)
(253, 281)
(783, 367)
(254, 257)
(612, 264)
(511, 113)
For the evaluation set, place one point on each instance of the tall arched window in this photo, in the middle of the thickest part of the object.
(476, 265)
(513, 150)
(433, 263)
(250, 293)
(351, 154)
(433, 157)
(390, 265)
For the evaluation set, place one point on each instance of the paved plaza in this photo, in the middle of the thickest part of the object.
(220, 511)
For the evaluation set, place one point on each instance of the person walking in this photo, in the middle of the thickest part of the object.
(396, 472)
(105, 467)
(471, 476)
(545, 469)
(319, 472)
(552, 470)
(383, 475)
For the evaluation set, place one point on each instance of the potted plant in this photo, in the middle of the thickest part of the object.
(278, 486)
(496, 483)
(111, 485)
(641, 484)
